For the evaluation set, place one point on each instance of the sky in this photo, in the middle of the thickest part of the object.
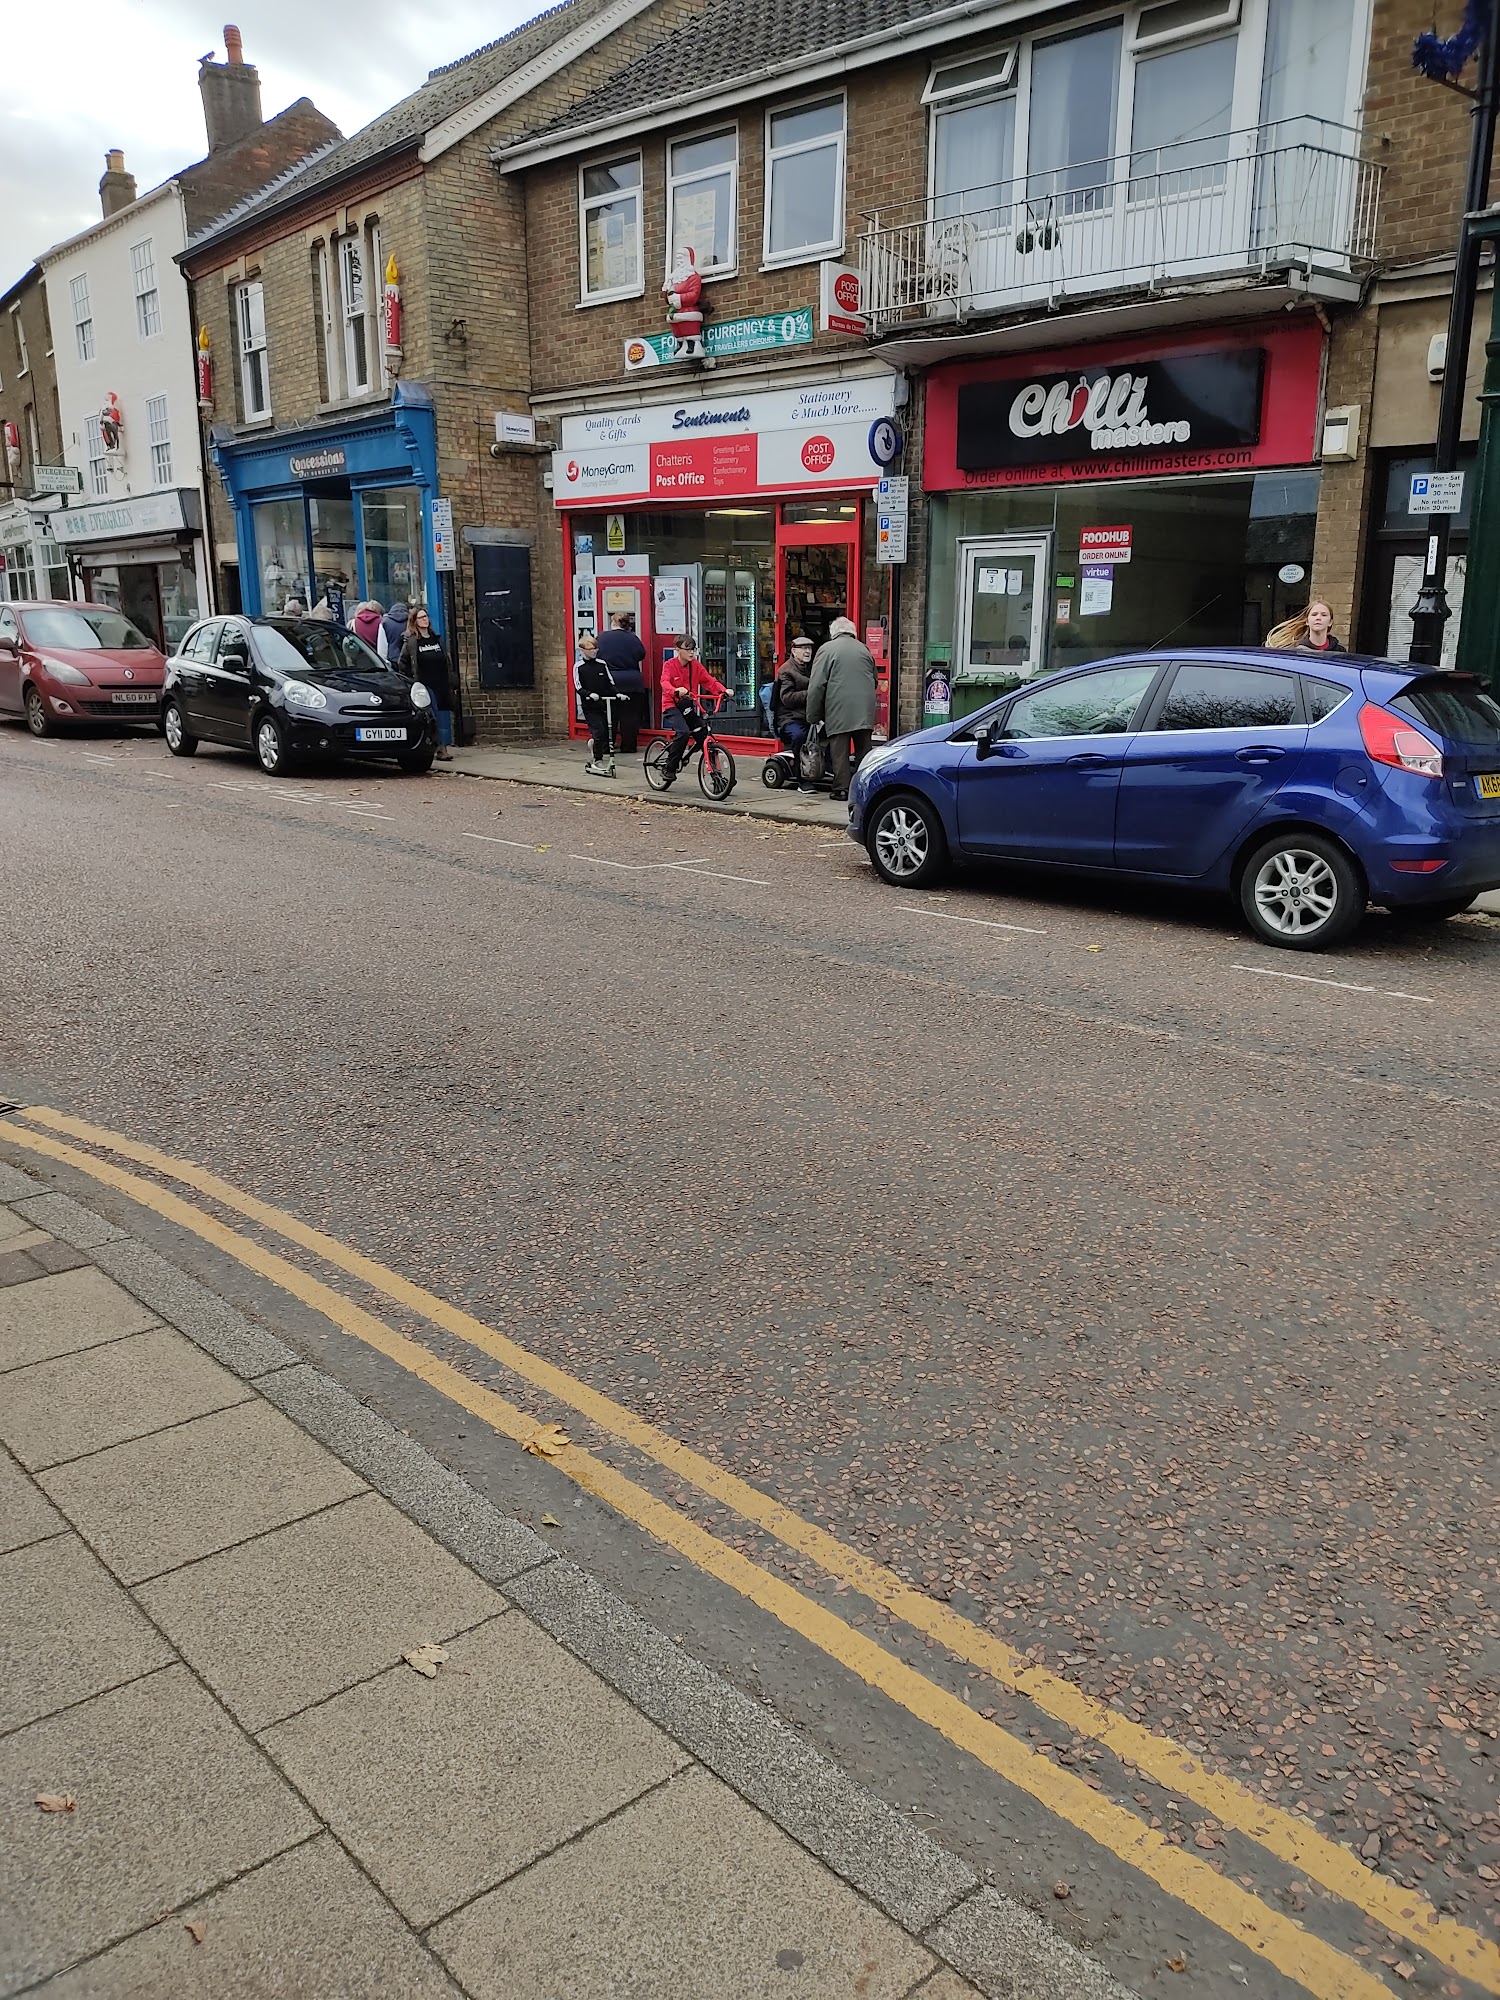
(94, 74)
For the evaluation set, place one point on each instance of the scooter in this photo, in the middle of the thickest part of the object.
(609, 771)
(807, 765)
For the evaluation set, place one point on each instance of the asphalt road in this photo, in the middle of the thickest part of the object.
(1123, 1284)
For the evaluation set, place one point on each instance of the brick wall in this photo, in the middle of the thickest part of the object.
(37, 388)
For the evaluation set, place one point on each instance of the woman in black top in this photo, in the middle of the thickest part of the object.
(423, 659)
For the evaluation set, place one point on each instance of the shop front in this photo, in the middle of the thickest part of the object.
(741, 520)
(342, 511)
(32, 563)
(143, 557)
(1111, 499)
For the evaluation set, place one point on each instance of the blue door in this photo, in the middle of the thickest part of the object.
(1046, 790)
(1223, 741)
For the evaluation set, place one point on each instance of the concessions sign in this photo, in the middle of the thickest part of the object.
(724, 448)
(1142, 410)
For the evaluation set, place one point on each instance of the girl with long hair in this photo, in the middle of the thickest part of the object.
(1307, 631)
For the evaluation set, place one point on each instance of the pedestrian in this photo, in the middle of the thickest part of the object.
(295, 607)
(393, 631)
(423, 659)
(324, 613)
(367, 617)
(1307, 631)
(622, 652)
(593, 680)
(841, 695)
(684, 682)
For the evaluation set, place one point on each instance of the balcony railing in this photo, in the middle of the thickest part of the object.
(1296, 196)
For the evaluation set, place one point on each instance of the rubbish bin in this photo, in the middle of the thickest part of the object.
(980, 686)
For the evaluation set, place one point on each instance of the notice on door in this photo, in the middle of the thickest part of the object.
(1097, 591)
(1104, 545)
(670, 607)
(992, 582)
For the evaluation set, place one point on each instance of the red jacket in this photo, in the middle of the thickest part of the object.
(695, 680)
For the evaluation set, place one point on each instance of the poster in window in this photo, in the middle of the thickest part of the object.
(695, 214)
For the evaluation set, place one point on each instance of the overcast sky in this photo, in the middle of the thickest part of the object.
(83, 77)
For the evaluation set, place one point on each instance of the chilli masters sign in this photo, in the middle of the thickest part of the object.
(1120, 412)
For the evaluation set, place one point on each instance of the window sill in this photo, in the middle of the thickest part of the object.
(611, 298)
(791, 258)
(256, 423)
(709, 277)
(360, 402)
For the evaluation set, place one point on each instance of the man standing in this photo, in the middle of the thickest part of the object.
(841, 695)
(625, 656)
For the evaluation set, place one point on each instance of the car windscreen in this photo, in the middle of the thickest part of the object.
(82, 630)
(1457, 709)
(316, 649)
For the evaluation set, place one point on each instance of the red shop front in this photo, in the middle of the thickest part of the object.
(743, 520)
(1100, 499)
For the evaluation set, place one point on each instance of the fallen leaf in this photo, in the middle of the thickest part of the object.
(550, 1521)
(1178, 1964)
(196, 1930)
(1403, 1968)
(426, 1659)
(1097, 947)
(1371, 1848)
(547, 1442)
(56, 1801)
(1061, 1891)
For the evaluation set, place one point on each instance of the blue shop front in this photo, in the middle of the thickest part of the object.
(338, 510)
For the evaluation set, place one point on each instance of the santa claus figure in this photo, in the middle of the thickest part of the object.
(682, 292)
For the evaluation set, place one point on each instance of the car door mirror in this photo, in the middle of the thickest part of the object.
(235, 659)
(988, 737)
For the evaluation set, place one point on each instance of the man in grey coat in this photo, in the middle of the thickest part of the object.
(841, 695)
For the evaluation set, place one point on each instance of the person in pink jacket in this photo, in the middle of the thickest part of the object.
(684, 681)
(367, 617)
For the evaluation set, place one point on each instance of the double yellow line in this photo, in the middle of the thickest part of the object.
(1256, 1926)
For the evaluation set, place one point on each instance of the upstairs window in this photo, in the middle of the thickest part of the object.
(1308, 46)
(805, 180)
(19, 331)
(702, 189)
(83, 316)
(973, 132)
(158, 429)
(143, 281)
(1075, 87)
(325, 306)
(1180, 129)
(354, 302)
(250, 325)
(609, 222)
(93, 448)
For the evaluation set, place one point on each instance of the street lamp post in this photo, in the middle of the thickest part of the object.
(1431, 611)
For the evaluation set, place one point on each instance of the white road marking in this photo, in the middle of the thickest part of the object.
(753, 880)
(984, 923)
(90, 758)
(495, 841)
(1344, 985)
(637, 867)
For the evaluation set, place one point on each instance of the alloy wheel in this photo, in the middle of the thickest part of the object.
(902, 840)
(268, 745)
(1296, 892)
(171, 725)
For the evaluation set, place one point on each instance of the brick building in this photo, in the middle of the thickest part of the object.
(330, 446)
(31, 563)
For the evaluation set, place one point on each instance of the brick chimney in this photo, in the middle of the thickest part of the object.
(231, 94)
(116, 187)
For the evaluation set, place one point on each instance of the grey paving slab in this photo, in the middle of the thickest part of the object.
(306, 1926)
(446, 1505)
(61, 1314)
(39, 1259)
(858, 1835)
(181, 1494)
(15, 1229)
(14, 1185)
(58, 1410)
(68, 1631)
(25, 1516)
(226, 1334)
(307, 1610)
(690, 1892)
(171, 1801)
(1010, 1954)
(443, 1787)
(61, 1216)
(945, 1985)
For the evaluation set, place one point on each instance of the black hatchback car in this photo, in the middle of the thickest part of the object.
(292, 688)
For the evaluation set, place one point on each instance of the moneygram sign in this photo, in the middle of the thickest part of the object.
(788, 441)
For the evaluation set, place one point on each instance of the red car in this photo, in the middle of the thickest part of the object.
(63, 663)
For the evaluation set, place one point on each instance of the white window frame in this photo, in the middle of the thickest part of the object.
(350, 316)
(586, 204)
(1207, 27)
(83, 315)
(676, 181)
(807, 253)
(98, 460)
(33, 436)
(159, 434)
(1004, 82)
(143, 284)
(1001, 65)
(375, 289)
(19, 331)
(245, 346)
(327, 306)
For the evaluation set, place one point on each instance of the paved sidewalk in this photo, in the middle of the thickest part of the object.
(561, 764)
(221, 1778)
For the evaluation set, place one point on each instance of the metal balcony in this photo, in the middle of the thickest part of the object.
(1291, 198)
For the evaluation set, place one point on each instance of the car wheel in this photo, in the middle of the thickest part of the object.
(1302, 892)
(906, 843)
(175, 729)
(415, 762)
(38, 721)
(1433, 913)
(270, 747)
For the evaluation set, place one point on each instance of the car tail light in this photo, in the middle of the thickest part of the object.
(1390, 740)
(1418, 867)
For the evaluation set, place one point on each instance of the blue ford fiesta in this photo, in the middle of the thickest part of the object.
(1306, 788)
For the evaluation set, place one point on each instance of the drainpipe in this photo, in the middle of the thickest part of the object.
(1481, 612)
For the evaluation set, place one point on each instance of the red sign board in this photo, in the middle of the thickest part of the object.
(1143, 409)
(711, 466)
(1104, 545)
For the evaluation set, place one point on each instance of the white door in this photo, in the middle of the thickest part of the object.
(1003, 593)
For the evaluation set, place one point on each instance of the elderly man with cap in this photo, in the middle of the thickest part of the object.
(841, 695)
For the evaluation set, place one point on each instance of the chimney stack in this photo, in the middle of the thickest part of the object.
(231, 94)
(116, 187)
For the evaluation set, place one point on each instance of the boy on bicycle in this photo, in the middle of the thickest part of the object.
(684, 680)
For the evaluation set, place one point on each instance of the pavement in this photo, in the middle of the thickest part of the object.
(561, 765)
(287, 1709)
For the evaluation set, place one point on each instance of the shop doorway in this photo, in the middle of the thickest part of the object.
(631, 597)
(1003, 600)
(817, 570)
(502, 611)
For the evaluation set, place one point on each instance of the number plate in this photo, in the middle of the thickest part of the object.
(136, 694)
(1487, 784)
(380, 735)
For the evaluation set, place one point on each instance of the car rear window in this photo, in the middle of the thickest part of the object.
(1322, 697)
(1457, 709)
(1213, 697)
